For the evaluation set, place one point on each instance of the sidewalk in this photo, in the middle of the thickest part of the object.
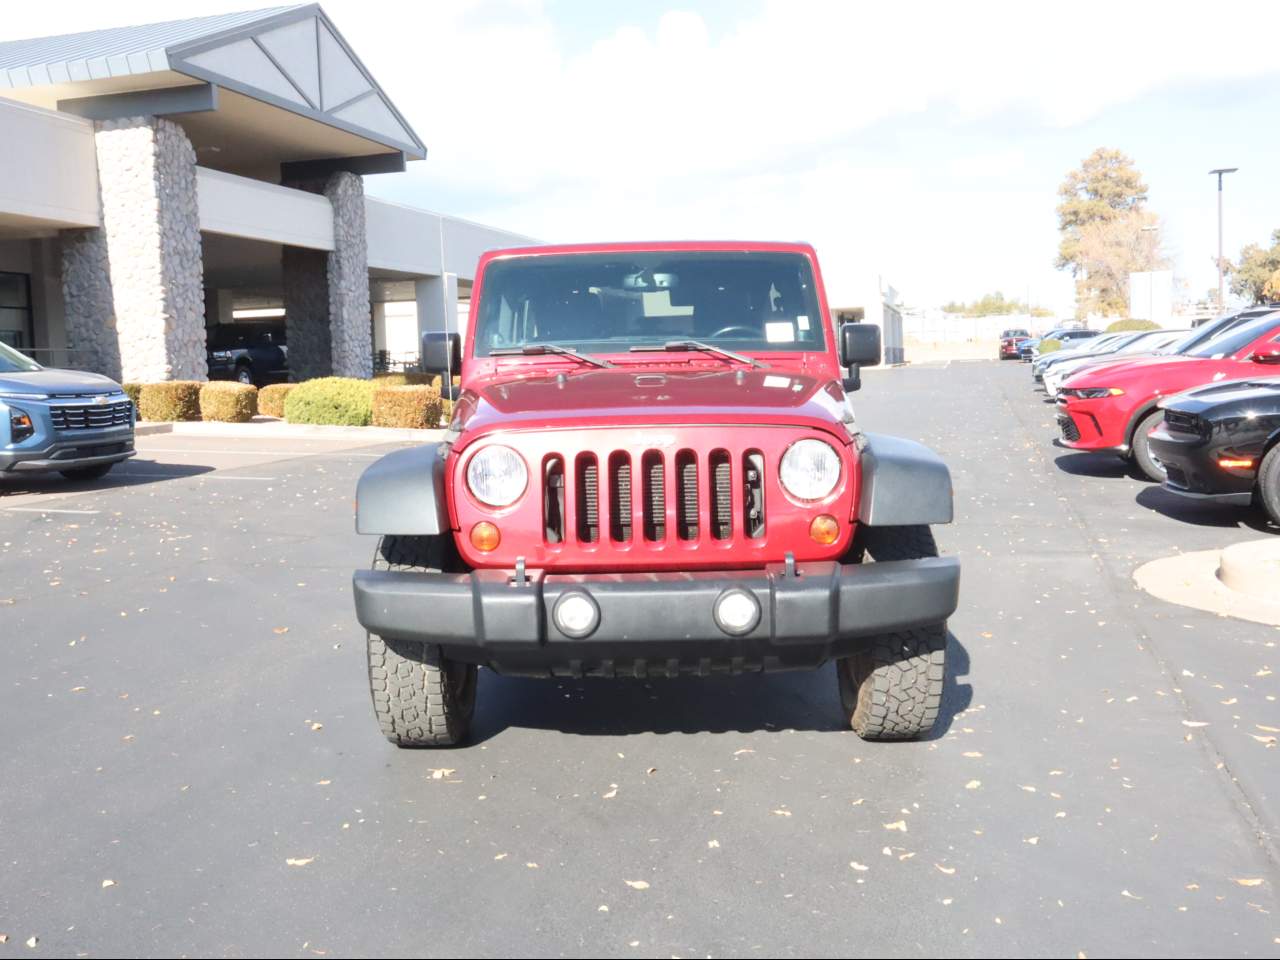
(269, 428)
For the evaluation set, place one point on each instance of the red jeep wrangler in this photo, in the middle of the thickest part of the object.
(653, 468)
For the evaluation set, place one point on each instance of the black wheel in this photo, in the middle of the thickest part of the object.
(244, 374)
(891, 689)
(1269, 483)
(420, 697)
(1147, 462)
(96, 472)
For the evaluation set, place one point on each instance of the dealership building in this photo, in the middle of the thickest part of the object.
(160, 180)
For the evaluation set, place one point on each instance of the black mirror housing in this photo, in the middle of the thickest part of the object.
(1271, 357)
(441, 353)
(859, 345)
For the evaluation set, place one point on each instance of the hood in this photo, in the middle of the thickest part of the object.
(57, 381)
(628, 396)
(1128, 366)
(1264, 390)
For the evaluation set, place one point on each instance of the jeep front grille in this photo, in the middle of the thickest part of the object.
(695, 504)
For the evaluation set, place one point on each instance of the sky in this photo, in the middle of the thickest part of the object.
(920, 143)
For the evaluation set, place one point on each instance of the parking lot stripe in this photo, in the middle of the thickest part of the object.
(47, 510)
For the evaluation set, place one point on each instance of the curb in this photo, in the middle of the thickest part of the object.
(266, 428)
(1238, 581)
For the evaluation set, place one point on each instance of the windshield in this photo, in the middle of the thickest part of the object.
(11, 361)
(611, 302)
(1236, 339)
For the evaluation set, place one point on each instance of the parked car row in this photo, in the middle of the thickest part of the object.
(1196, 410)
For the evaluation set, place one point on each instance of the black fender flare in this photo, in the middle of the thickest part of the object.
(403, 493)
(903, 483)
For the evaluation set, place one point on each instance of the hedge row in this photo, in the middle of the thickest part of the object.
(1123, 326)
(396, 400)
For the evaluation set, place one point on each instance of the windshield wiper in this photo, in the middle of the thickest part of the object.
(682, 345)
(540, 349)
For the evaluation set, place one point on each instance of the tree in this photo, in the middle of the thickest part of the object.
(993, 305)
(1106, 251)
(1256, 275)
(1100, 209)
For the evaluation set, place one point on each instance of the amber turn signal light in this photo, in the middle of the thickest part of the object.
(1227, 463)
(824, 529)
(485, 536)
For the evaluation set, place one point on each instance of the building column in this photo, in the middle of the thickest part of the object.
(133, 288)
(326, 295)
(437, 299)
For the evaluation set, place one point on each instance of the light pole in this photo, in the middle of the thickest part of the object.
(1219, 173)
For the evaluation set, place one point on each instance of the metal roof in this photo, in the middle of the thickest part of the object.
(291, 56)
(114, 52)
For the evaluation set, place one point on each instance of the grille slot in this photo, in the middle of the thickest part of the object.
(587, 498)
(655, 496)
(90, 417)
(620, 496)
(721, 495)
(1069, 429)
(753, 493)
(687, 495)
(553, 499)
(1182, 422)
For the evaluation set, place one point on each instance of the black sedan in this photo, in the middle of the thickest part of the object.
(1222, 443)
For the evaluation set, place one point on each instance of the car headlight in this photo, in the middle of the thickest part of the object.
(810, 469)
(497, 476)
(1094, 393)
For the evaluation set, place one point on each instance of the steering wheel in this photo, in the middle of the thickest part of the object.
(725, 330)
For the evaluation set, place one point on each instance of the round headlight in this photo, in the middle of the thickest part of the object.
(497, 476)
(810, 469)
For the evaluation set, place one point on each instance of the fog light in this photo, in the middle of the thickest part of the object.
(737, 612)
(824, 529)
(576, 614)
(485, 536)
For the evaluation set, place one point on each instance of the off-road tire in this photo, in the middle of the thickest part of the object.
(95, 472)
(420, 697)
(1269, 483)
(892, 688)
(1141, 447)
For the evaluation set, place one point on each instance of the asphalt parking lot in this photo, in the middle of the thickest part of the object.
(191, 766)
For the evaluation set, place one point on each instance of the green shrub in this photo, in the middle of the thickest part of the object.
(1122, 326)
(331, 400)
(271, 399)
(228, 402)
(406, 379)
(171, 400)
(134, 392)
(1048, 346)
(412, 405)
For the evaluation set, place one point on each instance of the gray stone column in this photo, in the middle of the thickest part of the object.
(133, 288)
(326, 295)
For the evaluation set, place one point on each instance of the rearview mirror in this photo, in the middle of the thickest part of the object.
(1268, 356)
(441, 353)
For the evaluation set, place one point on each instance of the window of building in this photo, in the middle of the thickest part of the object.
(15, 310)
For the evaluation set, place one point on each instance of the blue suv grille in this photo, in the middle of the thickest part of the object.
(91, 417)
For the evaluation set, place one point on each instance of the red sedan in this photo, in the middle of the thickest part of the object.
(1113, 408)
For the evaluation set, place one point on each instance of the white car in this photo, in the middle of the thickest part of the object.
(1145, 343)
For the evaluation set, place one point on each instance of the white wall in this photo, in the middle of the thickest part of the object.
(48, 168)
(420, 242)
(241, 207)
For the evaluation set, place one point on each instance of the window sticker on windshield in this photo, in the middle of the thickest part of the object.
(772, 381)
(802, 322)
(780, 332)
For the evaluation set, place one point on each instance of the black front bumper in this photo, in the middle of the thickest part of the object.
(1191, 465)
(658, 623)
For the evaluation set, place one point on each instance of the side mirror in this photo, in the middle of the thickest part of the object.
(1268, 356)
(441, 353)
(859, 347)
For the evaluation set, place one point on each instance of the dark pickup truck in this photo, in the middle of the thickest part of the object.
(251, 353)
